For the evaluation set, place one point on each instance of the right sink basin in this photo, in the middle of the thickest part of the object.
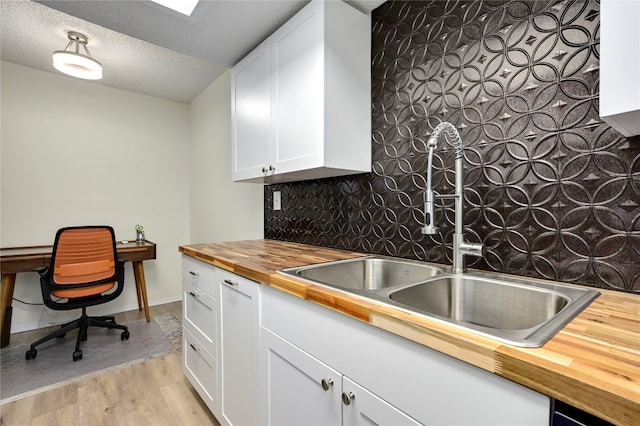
(517, 311)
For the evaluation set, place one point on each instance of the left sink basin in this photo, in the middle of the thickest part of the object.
(367, 273)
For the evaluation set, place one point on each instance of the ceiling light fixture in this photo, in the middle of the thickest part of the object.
(74, 63)
(182, 6)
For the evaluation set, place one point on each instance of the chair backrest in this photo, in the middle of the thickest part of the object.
(83, 255)
(84, 265)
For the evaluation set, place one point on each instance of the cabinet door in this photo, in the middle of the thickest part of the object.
(239, 306)
(298, 91)
(619, 95)
(296, 388)
(250, 114)
(361, 407)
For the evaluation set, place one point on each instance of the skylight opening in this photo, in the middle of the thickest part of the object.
(181, 6)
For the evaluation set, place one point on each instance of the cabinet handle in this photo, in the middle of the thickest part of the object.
(195, 274)
(326, 384)
(197, 348)
(264, 169)
(231, 283)
(194, 294)
(347, 398)
(272, 168)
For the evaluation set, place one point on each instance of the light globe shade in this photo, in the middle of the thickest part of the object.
(77, 65)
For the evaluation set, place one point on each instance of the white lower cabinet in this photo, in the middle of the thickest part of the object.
(260, 356)
(239, 323)
(220, 340)
(386, 380)
(200, 319)
(298, 389)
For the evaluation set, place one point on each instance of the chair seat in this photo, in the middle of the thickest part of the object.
(83, 292)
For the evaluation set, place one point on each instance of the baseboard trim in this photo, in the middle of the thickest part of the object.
(125, 308)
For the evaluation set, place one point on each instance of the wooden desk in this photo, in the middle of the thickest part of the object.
(25, 259)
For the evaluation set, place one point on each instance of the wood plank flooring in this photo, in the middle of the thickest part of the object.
(153, 392)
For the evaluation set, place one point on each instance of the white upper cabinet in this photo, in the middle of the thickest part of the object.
(620, 65)
(301, 101)
(251, 113)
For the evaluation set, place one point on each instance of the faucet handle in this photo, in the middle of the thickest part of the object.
(472, 249)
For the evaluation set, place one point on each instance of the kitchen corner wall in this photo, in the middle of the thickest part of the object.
(551, 190)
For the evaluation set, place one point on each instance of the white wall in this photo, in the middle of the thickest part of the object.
(221, 210)
(75, 152)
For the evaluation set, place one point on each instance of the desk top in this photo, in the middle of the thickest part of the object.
(26, 258)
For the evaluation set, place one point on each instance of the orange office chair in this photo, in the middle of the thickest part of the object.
(84, 271)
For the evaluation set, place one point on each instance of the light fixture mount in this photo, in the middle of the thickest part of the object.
(74, 63)
(77, 37)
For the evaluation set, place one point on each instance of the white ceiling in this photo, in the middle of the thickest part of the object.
(143, 46)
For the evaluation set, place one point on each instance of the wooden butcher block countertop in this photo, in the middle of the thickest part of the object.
(593, 363)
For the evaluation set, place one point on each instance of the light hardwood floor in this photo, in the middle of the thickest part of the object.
(153, 392)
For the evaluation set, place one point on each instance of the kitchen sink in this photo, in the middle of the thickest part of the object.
(519, 311)
(367, 273)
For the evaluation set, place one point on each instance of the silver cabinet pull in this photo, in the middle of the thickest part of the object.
(231, 283)
(197, 348)
(194, 294)
(272, 168)
(326, 384)
(195, 274)
(347, 398)
(264, 169)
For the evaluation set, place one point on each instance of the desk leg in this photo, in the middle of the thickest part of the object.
(8, 284)
(141, 286)
(138, 292)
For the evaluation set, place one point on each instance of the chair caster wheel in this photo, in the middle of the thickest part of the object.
(77, 355)
(124, 335)
(31, 353)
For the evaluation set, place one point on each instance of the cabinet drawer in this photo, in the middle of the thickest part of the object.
(230, 279)
(198, 273)
(201, 369)
(200, 313)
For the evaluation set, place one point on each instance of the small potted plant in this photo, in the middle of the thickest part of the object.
(139, 234)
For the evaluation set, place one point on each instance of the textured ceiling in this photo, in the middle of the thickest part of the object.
(145, 47)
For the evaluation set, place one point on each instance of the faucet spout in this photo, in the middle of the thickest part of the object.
(461, 248)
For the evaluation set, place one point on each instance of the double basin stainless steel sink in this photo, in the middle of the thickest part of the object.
(518, 311)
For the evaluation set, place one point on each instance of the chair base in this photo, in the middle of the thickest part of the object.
(82, 324)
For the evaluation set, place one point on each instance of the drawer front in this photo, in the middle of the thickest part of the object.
(198, 273)
(200, 313)
(201, 369)
(230, 279)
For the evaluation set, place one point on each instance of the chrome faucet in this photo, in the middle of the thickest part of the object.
(460, 246)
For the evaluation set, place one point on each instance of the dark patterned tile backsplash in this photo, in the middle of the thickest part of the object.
(551, 190)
